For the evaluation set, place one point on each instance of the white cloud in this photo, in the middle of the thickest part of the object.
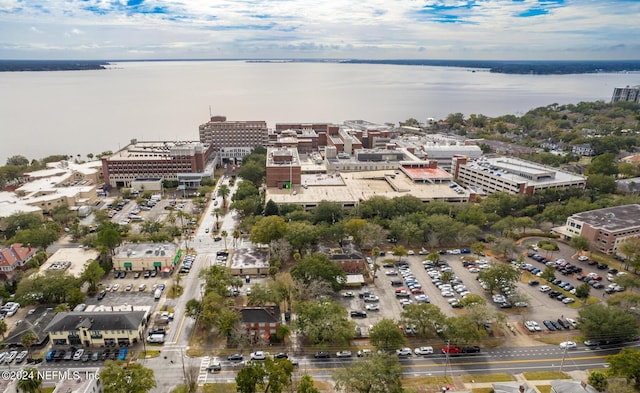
(339, 28)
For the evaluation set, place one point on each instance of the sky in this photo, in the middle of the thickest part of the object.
(312, 29)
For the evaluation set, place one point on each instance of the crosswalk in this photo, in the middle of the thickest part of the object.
(202, 375)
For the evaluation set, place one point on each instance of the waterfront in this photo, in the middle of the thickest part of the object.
(80, 112)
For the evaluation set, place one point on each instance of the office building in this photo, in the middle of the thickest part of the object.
(97, 329)
(184, 162)
(626, 94)
(233, 139)
(283, 167)
(512, 175)
(605, 228)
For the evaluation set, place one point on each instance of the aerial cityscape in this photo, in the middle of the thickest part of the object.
(345, 196)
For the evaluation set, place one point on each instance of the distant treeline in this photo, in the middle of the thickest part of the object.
(51, 65)
(521, 67)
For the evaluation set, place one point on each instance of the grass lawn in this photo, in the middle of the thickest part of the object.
(428, 383)
(48, 390)
(482, 390)
(479, 378)
(219, 388)
(544, 388)
(543, 375)
(149, 353)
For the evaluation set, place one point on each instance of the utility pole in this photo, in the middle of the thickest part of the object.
(564, 355)
(446, 359)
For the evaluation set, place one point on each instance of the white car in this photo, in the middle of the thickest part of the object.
(410, 252)
(78, 355)
(568, 345)
(583, 258)
(364, 352)
(532, 326)
(572, 322)
(115, 287)
(343, 354)
(372, 307)
(544, 288)
(423, 351)
(258, 355)
(404, 352)
(568, 300)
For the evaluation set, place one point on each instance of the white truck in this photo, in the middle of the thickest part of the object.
(157, 294)
(156, 339)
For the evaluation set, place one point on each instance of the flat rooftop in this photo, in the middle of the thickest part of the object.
(612, 219)
(250, 258)
(427, 173)
(351, 187)
(74, 258)
(146, 250)
(158, 150)
(521, 171)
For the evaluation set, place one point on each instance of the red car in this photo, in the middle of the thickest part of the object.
(417, 291)
(451, 349)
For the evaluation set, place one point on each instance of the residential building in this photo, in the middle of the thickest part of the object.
(512, 175)
(233, 139)
(605, 228)
(626, 94)
(184, 162)
(161, 257)
(260, 322)
(14, 257)
(583, 149)
(81, 380)
(97, 329)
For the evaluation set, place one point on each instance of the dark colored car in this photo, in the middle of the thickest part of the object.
(281, 355)
(358, 314)
(564, 324)
(471, 349)
(102, 294)
(533, 283)
(105, 354)
(549, 325)
(322, 355)
(236, 357)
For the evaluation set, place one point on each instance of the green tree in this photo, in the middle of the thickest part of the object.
(135, 378)
(268, 229)
(92, 274)
(425, 317)
(278, 374)
(380, 373)
(598, 380)
(385, 335)
(505, 247)
(271, 209)
(31, 381)
(498, 275)
(580, 243)
(109, 238)
(250, 377)
(583, 290)
(253, 172)
(27, 340)
(223, 192)
(626, 364)
(549, 273)
(306, 385)
(324, 322)
(327, 212)
(318, 267)
(599, 184)
(301, 234)
(604, 164)
(3, 328)
(602, 322)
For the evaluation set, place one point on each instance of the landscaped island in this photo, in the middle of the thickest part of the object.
(51, 65)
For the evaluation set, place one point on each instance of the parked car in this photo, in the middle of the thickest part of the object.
(451, 349)
(471, 349)
(236, 357)
(358, 314)
(343, 354)
(78, 354)
(258, 355)
(404, 352)
(364, 352)
(422, 351)
(322, 355)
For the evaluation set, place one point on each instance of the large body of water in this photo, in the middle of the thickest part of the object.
(69, 112)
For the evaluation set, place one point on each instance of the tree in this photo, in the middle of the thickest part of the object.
(604, 164)
(223, 192)
(626, 364)
(278, 374)
(3, 328)
(356, 227)
(108, 237)
(301, 234)
(400, 252)
(425, 317)
(580, 243)
(630, 248)
(92, 274)
(323, 322)
(135, 378)
(306, 385)
(250, 377)
(598, 380)
(30, 381)
(316, 267)
(549, 273)
(224, 235)
(583, 290)
(386, 335)
(253, 172)
(27, 340)
(271, 209)
(499, 275)
(605, 323)
(327, 212)
(268, 229)
(379, 373)
(461, 330)
(505, 247)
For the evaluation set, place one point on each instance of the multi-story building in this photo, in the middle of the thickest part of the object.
(184, 162)
(260, 322)
(97, 329)
(283, 167)
(605, 228)
(81, 380)
(626, 94)
(233, 139)
(512, 175)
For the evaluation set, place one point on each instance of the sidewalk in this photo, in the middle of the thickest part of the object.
(579, 375)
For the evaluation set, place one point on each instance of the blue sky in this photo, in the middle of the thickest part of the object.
(341, 29)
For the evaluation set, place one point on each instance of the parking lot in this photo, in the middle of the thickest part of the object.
(411, 282)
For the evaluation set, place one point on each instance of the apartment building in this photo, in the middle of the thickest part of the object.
(605, 228)
(512, 175)
(626, 94)
(233, 139)
(184, 162)
(15, 257)
(97, 329)
(260, 322)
